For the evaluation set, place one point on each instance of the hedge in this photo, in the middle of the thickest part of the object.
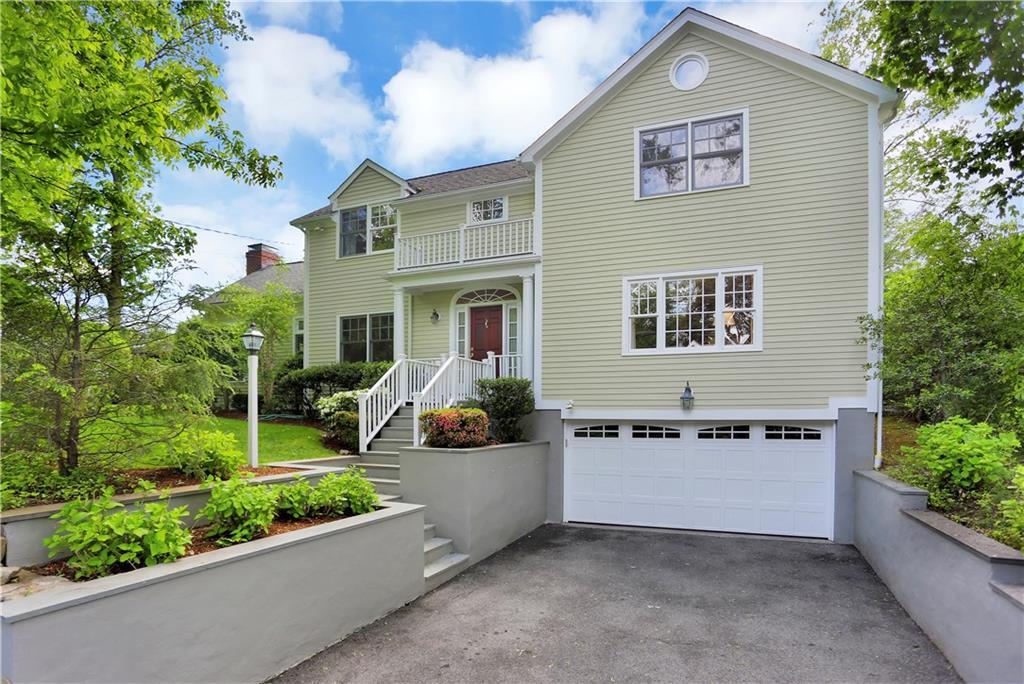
(299, 390)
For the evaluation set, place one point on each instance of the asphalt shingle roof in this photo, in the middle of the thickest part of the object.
(291, 275)
(449, 181)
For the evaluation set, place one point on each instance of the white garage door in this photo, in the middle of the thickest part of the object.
(763, 478)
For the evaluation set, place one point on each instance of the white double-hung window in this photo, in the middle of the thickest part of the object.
(697, 311)
(697, 154)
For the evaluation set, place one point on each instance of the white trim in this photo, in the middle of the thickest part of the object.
(305, 295)
(369, 164)
(744, 112)
(368, 206)
(697, 414)
(296, 332)
(875, 238)
(454, 274)
(504, 210)
(686, 56)
(538, 280)
(720, 346)
(803, 63)
(398, 325)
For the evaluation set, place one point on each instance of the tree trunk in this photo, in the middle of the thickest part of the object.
(114, 290)
(71, 450)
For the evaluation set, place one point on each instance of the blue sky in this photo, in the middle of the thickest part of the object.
(419, 87)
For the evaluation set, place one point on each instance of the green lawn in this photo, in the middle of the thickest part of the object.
(278, 441)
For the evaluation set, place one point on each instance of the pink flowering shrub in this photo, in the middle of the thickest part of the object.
(454, 428)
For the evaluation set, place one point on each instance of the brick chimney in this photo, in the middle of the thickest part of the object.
(259, 257)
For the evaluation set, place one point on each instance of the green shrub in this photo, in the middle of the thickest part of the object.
(308, 385)
(346, 400)
(349, 493)
(506, 401)
(341, 431)
(32, 478)
(104, 537)
(294, 501)
(1010, 528)
(957, 460)
(206, 453)
(454, 428)
(239, 511)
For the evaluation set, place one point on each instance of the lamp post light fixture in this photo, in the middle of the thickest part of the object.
(686, 398)
(252, 340)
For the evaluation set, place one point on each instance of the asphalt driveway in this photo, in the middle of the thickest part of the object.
(570, 604)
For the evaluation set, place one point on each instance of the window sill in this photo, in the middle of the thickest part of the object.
(640, 198)
(364, 254)
(687, 351)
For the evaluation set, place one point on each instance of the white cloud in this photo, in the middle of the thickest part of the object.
(292, 83)
(292, 13)
(445, 102)
(795, 23)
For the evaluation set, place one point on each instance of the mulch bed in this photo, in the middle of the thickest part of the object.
(200, 544)
(165, 478)
(242, 415)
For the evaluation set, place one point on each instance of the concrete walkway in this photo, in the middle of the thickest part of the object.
(572, 604)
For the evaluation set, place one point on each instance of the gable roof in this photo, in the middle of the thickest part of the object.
(690, 19)
(369, 164)
(478, 176)
(291, 277)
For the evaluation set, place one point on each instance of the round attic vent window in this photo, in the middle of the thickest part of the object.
(689, 71)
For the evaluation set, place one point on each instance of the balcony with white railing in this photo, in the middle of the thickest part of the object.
(467, 244)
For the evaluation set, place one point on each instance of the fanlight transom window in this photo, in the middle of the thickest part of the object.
(485, 296)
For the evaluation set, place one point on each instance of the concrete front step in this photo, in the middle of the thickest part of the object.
(428, 531)
(400, 421)
(440, 571)
(404, 412)
(436, 548)
(385, 485)
(391, 445)
(388, 471)
(403, 433)
(390, 457)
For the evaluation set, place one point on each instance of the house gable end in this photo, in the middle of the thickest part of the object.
(370, 181)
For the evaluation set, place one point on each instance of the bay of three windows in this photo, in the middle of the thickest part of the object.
(698, 312)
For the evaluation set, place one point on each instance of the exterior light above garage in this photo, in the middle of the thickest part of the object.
(686, 398)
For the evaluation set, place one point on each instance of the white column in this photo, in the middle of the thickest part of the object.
(527, 333)
(399, 341)
(254, 407)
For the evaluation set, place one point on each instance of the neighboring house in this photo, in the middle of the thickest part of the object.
(264, 265)
(710, 214)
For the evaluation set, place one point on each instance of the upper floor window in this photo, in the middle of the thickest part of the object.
(367, 229)
(493, 209)
(698, 154)
(366, 338)
(693, 312)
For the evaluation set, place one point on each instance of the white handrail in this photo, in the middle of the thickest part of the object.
(509, 365)
(379, 403)
(455, 381)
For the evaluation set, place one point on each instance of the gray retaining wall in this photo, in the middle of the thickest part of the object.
(482, 499)
(966, 591)
(239, 614)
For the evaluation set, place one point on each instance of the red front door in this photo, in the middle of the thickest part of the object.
(484, 331)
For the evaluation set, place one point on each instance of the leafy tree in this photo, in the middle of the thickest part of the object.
(953, 325)
(272, 310)
(96, 98)
(947, 54)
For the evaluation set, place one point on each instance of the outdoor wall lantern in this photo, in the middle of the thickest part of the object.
(252, 340)
(435, 317)
(686, 398)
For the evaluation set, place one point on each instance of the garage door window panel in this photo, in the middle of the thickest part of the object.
(725, 432)
(597, 431)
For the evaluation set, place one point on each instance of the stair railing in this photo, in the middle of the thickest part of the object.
(396, 387)
(454, 381)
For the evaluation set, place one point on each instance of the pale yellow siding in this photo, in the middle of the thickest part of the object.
(351, 285)
(370, 187)
(431, 339)
(804, 218)
(431, 217)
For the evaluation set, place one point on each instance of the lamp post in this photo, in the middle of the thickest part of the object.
(252, 340)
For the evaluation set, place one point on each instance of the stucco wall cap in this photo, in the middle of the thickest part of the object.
(975, 542)
(889, 483)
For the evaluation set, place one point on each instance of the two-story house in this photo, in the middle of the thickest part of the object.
(710, 217)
